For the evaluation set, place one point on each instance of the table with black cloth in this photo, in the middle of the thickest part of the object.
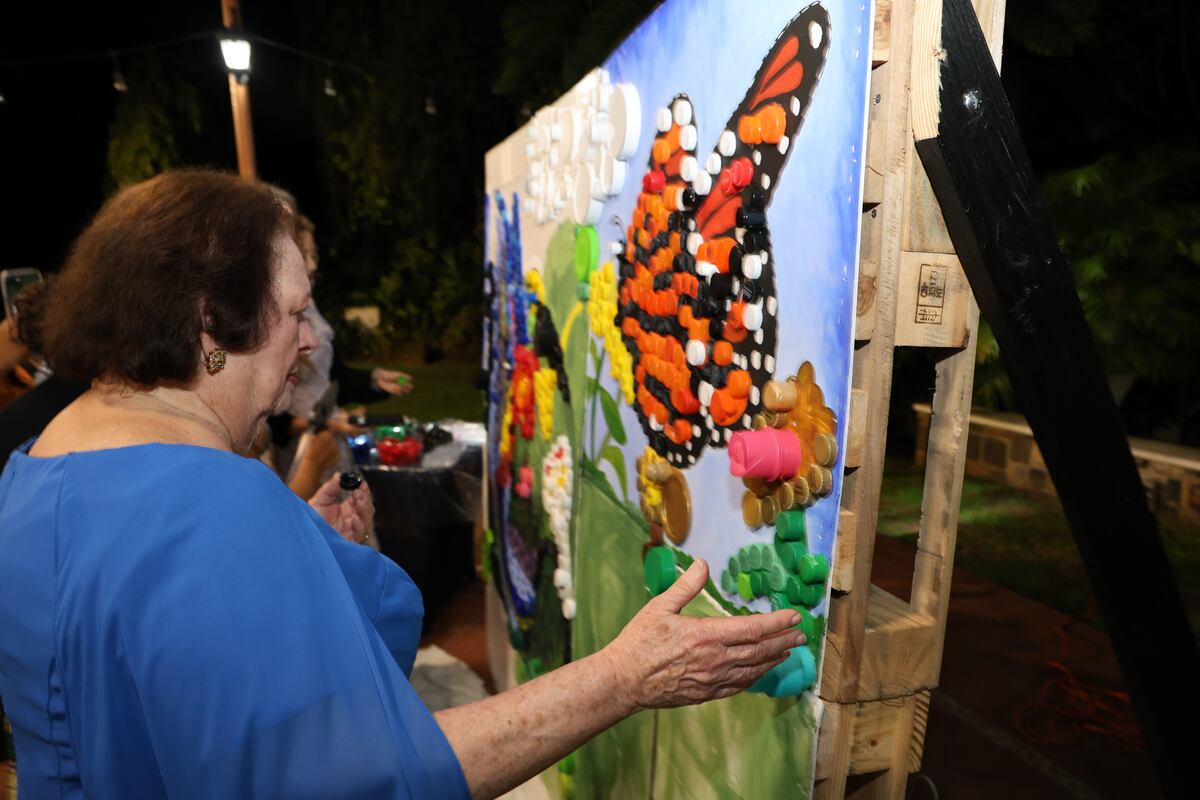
(426, 517)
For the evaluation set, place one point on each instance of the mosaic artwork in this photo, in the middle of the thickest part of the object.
(671, 267)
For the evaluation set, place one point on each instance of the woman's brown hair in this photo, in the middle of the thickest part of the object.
(189, 250)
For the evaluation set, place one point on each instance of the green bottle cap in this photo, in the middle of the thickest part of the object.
(728, 582)
(807, 625)
(659, 569)
(745, 586)
(789, 554)
(790, 526)
(777, 577)
(813, 568)
(743, 557)
(587, 251)
(735, 566)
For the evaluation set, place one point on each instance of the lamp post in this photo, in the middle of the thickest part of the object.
(235, 49)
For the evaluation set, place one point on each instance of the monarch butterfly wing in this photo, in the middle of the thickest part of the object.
(697, 296)
(657, 290)
(733, 244)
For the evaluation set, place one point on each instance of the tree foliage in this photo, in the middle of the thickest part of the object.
(143, 137)
(1112, 129)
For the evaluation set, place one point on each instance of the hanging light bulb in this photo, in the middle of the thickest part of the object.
(430, 106)
(118, 77)
(330, 89)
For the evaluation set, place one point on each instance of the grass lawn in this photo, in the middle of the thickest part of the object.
(443, 390)
(1022, 541)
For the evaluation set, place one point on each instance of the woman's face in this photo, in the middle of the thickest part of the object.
(265, 378)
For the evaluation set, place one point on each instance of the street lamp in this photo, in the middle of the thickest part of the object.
(236, 52)
(235, 49)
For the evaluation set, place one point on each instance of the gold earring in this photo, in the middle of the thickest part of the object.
(214, 362)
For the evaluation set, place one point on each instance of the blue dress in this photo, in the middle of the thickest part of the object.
(174, 622)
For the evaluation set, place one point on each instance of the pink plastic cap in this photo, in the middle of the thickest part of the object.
(767, 453)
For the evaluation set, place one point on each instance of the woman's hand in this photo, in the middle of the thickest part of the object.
(664, 659)
(353, 517)
(392, 381)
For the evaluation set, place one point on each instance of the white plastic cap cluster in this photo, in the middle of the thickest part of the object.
(577, 150)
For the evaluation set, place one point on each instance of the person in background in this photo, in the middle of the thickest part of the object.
(29, 413)
(317, 370)
(177, 623)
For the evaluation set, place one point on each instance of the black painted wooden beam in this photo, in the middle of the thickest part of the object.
(969, 143)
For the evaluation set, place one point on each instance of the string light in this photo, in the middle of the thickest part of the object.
(118, 78)
(430, 106)
(330, 89)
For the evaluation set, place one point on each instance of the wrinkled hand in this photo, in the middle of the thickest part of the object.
(351, 518)
(392, 381)
(664, 659)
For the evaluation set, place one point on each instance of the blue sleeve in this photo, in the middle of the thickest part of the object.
(389, 598)
(259, 668)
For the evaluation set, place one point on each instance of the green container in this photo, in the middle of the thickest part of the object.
(813, 568)
(767, 554)
(758, 582)
(391, 432)
(735, 566)
(791, 527)
(754, 557)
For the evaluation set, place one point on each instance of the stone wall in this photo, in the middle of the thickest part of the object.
(1001, 448)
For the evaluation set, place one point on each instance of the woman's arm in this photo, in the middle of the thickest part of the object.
(661, 659)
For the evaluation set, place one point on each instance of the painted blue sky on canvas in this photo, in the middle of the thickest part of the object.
(711, 50)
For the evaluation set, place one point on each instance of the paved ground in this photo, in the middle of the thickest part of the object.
(998, 645)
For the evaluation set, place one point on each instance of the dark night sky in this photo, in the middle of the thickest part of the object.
(54, 125)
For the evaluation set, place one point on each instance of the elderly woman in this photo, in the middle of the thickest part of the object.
(176, 623)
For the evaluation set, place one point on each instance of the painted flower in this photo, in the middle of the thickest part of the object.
(557, 487)
(545, 380)
(602, 313)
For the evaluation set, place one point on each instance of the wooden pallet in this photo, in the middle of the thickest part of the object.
(883, 655)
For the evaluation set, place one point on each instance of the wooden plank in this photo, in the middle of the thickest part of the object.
(934, 302)
(841, 572)
(971, 147)
(881, 731)
(868, 273)
(897, 651)
(877, 104)
(945, 460)
(856, 428)
(924, 227)
(882, 46)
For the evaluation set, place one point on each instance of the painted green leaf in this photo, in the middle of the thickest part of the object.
(613, 455)
(611, 416)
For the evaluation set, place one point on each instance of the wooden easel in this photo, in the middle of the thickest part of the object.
(883, 655)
